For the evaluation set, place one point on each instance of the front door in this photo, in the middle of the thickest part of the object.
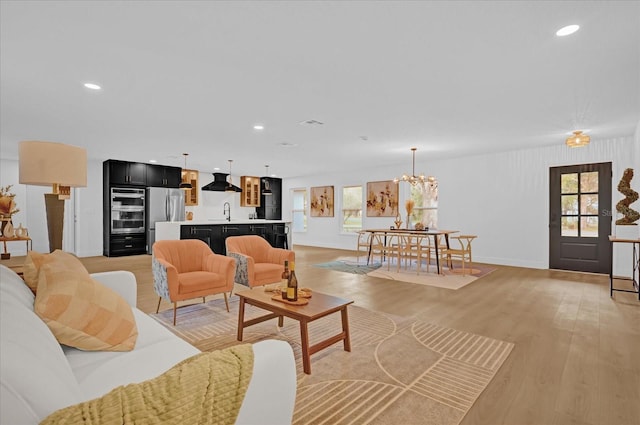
(580, 217)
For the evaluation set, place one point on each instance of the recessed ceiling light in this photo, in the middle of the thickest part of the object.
(258, 127)
(153, 161)
(92, 86)
(569, 29)
(216, 168)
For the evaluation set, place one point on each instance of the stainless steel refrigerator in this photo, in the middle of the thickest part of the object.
(162, 204)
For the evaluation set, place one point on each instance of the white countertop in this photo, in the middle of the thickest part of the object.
(171, 229)
(222, 221)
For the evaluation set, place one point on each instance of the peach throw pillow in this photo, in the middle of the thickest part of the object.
(80, 311)
(35, 260)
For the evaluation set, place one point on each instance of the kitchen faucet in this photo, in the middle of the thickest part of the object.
(227, 209)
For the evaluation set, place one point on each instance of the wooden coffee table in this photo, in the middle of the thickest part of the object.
(320, 305)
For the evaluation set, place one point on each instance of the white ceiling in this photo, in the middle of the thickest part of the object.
(451, 78)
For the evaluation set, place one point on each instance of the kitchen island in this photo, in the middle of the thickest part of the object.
(214, 232)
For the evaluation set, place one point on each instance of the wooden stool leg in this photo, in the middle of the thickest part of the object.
(158, 308)
(175, 307)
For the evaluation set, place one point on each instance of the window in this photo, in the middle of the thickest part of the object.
(299, 212)
(351, 208)
(425, 211)
(579, 200)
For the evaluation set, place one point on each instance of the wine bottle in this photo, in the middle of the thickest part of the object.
(292, 284)
(284, 283)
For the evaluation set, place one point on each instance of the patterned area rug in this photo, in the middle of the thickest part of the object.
(349, 266)
(399, 370)
(450, 279)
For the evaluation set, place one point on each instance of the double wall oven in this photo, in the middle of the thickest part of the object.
(127, 210)
(127, 221)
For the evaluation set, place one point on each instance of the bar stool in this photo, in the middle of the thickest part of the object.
(284, 237)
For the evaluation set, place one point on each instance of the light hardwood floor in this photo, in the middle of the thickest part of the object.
(577, 351)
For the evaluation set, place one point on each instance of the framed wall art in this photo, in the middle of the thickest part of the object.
(382, 199)
(322, 201)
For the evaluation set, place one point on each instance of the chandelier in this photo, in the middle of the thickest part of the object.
(578, 140)
(413, 179)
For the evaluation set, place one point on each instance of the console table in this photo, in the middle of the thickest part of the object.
(5, 254)
(635, 274)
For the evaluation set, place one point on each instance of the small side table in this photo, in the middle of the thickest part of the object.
(635, 274)
(7, 255)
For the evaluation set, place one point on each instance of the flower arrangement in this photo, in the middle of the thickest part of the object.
(7, 204)
(408, 205)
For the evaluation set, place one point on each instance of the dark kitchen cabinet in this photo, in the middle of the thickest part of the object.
(127, 245)
(125, 173)
(163, 176)
(215, 235)
(270, 205)
(130, 176)
(211, 235)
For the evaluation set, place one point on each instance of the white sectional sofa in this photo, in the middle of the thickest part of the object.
(39, 376)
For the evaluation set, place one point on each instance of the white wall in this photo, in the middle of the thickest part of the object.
(502, 198)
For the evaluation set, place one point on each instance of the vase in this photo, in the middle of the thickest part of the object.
(408, 222)
(7, 229)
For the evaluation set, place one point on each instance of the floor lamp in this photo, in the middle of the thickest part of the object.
(59, 166)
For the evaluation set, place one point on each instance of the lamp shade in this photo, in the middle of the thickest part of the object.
(48, 163)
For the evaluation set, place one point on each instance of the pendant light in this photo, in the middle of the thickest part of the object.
(413, 179)
(229, 187)
(185, 185)
(267, 188)
(578, 140)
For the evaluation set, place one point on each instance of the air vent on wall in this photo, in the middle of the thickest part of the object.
(311, 122)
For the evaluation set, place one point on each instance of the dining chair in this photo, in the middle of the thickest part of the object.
(438, 252)
(393, 249)
(463, 254)
(410, 250)
(370, 243)
(423, 252)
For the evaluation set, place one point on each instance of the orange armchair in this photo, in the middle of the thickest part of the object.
(186, 269)
(258, 263)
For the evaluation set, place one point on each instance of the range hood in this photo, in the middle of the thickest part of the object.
(219, 184)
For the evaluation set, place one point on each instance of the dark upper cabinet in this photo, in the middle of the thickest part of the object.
(163, 176)
(141, 174)
(127, 173)
(270, 205)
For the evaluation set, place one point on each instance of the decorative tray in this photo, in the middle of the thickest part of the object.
(300, 301)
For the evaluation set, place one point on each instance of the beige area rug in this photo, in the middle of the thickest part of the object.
(450, 279)
(399, 370)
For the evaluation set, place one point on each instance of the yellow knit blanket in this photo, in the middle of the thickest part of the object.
(207, 388)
